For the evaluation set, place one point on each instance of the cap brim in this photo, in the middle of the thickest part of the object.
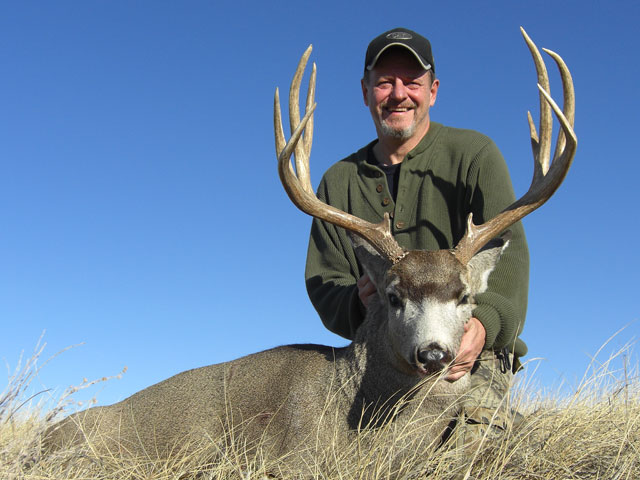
(425, 65)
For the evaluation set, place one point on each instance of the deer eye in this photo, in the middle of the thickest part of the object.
(463, 300)
(394, 301)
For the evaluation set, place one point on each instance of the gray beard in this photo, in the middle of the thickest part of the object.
(399, 133)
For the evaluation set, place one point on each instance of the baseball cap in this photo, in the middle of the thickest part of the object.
(403, 37)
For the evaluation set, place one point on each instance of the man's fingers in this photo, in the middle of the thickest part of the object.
(366, 288)
(452, 377)
(458, 370)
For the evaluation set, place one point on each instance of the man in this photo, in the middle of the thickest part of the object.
(428, 177)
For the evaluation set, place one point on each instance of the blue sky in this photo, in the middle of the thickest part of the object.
(140, 209)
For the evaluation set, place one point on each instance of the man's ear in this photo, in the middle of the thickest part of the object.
(483, 262)
(434, 92)
(374, 264)
(365, 90)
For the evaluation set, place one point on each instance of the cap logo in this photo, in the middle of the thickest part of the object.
(399, 36)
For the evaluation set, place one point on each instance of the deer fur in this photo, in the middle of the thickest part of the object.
(311, 395)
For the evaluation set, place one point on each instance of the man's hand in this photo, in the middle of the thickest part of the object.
(366, 289)
(470, 348)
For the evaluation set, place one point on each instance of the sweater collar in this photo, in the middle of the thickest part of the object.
(427, 141)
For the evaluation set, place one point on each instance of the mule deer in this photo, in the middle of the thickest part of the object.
(315, 396)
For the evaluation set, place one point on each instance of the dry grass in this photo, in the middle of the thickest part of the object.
(593, 433)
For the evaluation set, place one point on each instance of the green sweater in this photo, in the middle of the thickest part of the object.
(449, 174)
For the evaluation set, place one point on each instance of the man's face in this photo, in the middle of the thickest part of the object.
(399, 94)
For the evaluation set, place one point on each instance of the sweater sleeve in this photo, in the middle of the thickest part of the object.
(331, 275)
(502, 308)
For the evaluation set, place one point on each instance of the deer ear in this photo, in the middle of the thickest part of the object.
(374, 264)
(483, 262)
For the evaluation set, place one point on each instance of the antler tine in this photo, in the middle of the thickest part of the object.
(546, 178)
(277, 124)
(301, 151)
(569, 100)
(541, 145)
(298, 185)
(308, 131)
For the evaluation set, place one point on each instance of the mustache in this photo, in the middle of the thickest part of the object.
(399, 105)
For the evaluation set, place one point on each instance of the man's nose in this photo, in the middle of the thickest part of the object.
(399, 90)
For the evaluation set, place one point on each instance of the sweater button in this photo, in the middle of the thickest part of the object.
(379, 188)
(386, 201)
(400, 225)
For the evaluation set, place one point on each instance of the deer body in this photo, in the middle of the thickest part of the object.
(270, 397)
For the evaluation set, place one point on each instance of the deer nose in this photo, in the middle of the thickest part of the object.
(433, 357)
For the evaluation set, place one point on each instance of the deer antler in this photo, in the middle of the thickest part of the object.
(298, 187)
(546, 178)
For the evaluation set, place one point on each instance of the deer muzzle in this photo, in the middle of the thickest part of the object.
(432, 358)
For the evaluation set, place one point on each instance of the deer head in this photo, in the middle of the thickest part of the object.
(428, 296)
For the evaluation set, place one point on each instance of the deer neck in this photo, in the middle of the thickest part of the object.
(371, 355)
